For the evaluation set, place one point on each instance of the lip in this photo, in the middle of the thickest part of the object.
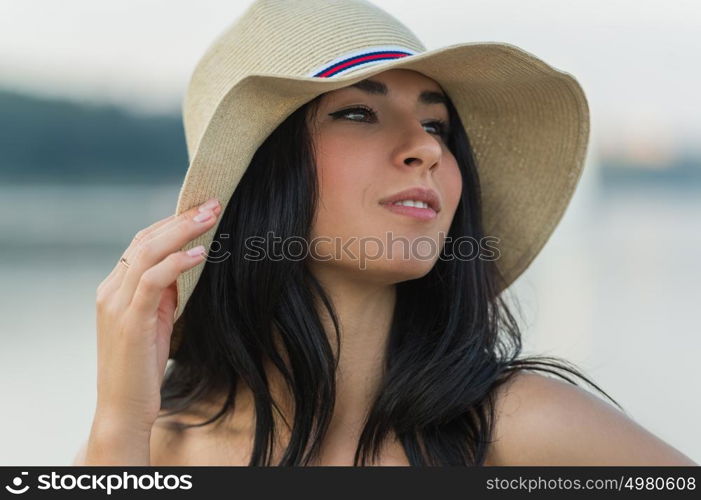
(416, 212)
(418, 193)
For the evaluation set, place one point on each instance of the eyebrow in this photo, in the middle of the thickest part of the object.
(379, 88)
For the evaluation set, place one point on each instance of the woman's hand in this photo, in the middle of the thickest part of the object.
(135, 307)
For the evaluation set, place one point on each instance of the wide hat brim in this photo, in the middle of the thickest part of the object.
(528, 124)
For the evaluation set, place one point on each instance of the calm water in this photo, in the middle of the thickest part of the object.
(615, 291)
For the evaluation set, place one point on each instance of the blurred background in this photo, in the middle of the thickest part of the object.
(93, 150)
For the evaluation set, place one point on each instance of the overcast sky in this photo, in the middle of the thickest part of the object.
(637, 60)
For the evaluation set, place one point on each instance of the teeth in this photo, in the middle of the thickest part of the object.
(412, 203)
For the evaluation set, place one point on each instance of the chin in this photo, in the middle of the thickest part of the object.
(396, 271)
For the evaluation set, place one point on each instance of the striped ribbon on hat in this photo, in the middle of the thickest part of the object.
(360, 58)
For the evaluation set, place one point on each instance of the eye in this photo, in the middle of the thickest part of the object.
(354, 111)
(439, 125)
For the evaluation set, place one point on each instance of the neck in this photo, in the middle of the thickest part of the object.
(364, 311)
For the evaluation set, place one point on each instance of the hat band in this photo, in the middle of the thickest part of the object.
(360, 58)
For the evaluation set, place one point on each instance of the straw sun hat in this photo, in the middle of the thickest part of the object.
(528, 122)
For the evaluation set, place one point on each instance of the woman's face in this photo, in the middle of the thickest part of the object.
(363, 156)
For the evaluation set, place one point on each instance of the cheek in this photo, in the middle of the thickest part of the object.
(343, 172)
(450, 180)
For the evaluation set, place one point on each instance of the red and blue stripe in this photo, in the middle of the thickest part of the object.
(359, 60)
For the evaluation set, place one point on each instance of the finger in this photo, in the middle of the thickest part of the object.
(117, 274)
(112, 280)
(186, 227)
(201, 208)
(159, 279)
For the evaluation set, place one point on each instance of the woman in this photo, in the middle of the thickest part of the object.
(400, 353)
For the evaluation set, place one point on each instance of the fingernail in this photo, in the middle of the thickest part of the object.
(203, 216)
(198, 250)
(209, 205)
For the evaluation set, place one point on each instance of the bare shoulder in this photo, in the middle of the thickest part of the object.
(168, 440)
(218, 443)
(174, 444)
(541, 420)
(166, 443)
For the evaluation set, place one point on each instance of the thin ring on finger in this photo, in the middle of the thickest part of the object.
(152, 231)
(115, 277)
(163, 245)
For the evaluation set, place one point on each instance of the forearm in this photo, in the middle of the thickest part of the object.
(111, 444)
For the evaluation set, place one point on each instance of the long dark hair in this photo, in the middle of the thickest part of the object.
(452, 342)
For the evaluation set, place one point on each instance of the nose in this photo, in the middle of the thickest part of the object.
(416, 147)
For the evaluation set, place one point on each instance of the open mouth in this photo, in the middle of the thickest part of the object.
(420, 202)
(418, 210)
